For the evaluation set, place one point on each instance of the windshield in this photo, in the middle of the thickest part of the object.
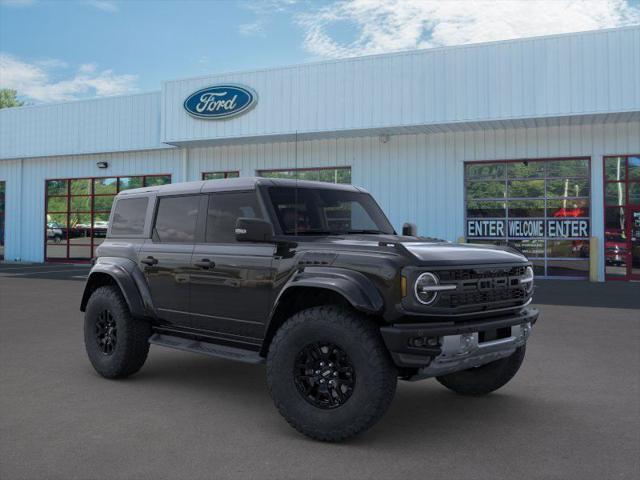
(316, 211)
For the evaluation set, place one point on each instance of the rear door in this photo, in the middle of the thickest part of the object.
(165, 259)
(232, 281)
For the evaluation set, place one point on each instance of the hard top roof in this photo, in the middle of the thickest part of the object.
(231, 184)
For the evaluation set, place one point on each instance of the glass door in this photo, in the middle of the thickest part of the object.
(622, 217)
(634, 240)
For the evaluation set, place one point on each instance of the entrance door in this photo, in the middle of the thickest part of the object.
(634, 243)
(622, 217)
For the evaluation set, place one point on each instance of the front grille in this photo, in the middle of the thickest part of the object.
(491, 296)
(480, 273)
(483, 288)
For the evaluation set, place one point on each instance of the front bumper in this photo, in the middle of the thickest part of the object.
(440, 348)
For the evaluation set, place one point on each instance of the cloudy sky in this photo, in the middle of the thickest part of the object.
(53, 51)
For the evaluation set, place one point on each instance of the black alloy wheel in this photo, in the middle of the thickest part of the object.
(324, 375)
(106, 332)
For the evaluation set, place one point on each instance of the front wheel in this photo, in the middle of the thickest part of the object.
(486, 378)
(329, 373)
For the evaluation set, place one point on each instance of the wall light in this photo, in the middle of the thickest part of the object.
(102, 164)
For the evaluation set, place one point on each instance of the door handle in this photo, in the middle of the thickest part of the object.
(205, 264)
(149, 261)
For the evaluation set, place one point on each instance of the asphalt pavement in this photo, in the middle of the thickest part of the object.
(571, 412)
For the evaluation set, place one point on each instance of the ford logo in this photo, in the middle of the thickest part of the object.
(220, 101)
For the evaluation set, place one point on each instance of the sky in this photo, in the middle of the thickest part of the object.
(59, 50)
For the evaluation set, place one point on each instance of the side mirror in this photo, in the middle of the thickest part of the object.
(253, 230)
(410, 230)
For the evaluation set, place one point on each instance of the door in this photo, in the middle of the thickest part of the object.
(634, 242)
(166, 258)
(232, 281)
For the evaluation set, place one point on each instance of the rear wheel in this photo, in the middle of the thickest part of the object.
(329, 373)
(484, 379)
(116, 343)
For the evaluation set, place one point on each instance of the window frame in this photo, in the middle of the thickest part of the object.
(226, 174)
(92, 212)
(627, 207)
(544, 260)
(261, 172)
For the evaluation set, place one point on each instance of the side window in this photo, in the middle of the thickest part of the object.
(224, 210)
(176, 219)
(129, 215)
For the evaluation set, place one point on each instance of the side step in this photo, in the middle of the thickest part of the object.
(211, 349)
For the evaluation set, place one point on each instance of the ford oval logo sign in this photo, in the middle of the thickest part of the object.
(220, 101)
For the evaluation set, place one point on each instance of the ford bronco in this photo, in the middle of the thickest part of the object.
(311, 279)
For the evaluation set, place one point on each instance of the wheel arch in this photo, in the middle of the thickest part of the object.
(321, 286)
(122, 274)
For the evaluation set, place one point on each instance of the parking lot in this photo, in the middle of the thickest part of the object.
(571, 412)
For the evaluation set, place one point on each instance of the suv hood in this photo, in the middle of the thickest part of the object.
(443, 253)
(428, 251)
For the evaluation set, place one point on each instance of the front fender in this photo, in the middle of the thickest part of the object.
(359, 291)
(130, 280)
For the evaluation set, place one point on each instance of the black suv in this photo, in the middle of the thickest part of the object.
(312, 279)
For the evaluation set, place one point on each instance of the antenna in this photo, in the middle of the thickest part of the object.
(295, 195)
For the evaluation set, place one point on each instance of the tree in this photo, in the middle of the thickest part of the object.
(8, 98)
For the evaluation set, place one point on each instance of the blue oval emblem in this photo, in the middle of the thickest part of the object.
(220, 101)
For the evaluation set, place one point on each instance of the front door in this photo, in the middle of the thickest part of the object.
(231, 281)
(634, 242)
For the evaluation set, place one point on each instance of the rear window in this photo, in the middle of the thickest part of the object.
(129, 215)
(176, 219)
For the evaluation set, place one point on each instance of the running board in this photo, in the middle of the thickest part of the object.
(196, 346)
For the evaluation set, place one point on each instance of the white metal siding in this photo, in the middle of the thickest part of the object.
(25, 195)
(90, 126)
(547, 77)
(416, 178)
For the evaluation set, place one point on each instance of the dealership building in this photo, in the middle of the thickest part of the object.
(531, 142)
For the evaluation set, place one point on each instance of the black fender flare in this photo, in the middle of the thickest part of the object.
(354, 286)
(130, 280)
(359, 290)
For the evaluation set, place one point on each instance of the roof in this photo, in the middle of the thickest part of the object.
(234, 184)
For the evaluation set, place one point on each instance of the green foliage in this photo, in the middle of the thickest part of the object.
(8, 98)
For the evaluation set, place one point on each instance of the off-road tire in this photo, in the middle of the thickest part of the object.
(484, 379)
(132, 343)
(375, 374)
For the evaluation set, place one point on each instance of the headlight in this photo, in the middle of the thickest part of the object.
(527, 280)
(427, 287)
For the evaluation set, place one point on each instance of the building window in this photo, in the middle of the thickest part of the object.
(622, 217)
(2, 210)
(329, 175)
(219, 175)
(539, 207)
(77, 212)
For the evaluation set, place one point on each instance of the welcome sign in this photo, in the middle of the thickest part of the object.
(528, 228)
(219, 102)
